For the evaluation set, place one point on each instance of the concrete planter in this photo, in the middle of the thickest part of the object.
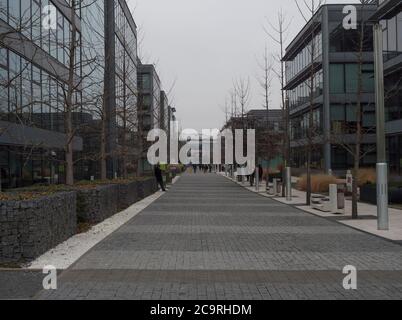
(30, 228)
(368, 193)
(96, 205)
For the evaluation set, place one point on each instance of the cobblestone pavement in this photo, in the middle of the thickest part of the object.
(209, 238)
(19, 284)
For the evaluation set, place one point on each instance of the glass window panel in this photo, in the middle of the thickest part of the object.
(26, 17)
(399, 30)
(3, 10)
(337, 81)
(14, 8)
(351, 115)
(3, 57)
(36, 23)
(351, 76)
(392, 34)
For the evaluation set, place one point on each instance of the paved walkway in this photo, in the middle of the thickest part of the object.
(209, 238)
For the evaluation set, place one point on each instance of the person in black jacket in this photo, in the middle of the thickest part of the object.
(159, 177)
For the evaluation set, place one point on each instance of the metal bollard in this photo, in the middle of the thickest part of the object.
(288, 184)
(382, 196)
(275, 187)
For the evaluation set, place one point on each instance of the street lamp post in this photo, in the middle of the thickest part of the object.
(382, 166)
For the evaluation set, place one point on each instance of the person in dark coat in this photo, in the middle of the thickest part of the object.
(159, 177)
(260, 172)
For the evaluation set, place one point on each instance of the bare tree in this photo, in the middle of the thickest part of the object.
(278, 34)
(242, 91)
(354, 148)
(308, 10)
(267, 144)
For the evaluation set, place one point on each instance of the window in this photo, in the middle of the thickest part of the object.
(392, 35)
(36, 24)
(337, 118)
(26, 17)
(14, 13)
(3, 10)
(399, 30)
(351, 75)
(337, 80)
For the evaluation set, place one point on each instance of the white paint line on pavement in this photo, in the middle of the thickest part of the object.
(68, 252)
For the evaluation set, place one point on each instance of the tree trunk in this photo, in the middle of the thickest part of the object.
(103, 158)
(355, 214)
(69, 102)
(308, 187)
(359, 124)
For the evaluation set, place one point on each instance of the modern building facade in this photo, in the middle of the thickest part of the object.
(33, 77)
(164, 112)
(389, 14)
(34, 68)
(327, 50)
(149, 108)
(268, 128)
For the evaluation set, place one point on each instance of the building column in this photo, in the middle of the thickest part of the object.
(110, 88)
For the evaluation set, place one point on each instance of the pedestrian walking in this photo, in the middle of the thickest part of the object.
(159, 177)
(252, 178)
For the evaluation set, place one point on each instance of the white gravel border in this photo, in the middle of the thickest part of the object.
(68, 252)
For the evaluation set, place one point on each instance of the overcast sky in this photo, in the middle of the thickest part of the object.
(203, 45)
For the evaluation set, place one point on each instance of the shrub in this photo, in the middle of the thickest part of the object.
(366, 176)
(319, 182)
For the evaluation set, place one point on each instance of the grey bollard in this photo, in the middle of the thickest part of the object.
(275, 187)
(288, 184)
(333, 197)
(382, 196)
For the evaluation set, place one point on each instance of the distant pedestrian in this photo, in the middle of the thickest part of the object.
(252, 178)
(159, 177)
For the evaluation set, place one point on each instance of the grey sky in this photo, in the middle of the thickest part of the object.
(204, 45)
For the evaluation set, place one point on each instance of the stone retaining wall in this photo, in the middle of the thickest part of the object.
(28, 229)
(128, 195)
(96, 205)
(147, 187)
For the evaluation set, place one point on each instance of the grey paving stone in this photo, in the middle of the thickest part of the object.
(208, 238)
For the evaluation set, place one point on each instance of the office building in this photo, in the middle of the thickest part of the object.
(389, 14)
(327, 50)
(34, 69)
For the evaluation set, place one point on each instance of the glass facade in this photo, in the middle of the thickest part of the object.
(344, 78)
(311, 51)
(344, 118)
(300, 124)
(26, 16)
(339, 105)
(394, 146)
(301, 93)
(392, 45)
(126, 72)
(34, 94)
(392, 36)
